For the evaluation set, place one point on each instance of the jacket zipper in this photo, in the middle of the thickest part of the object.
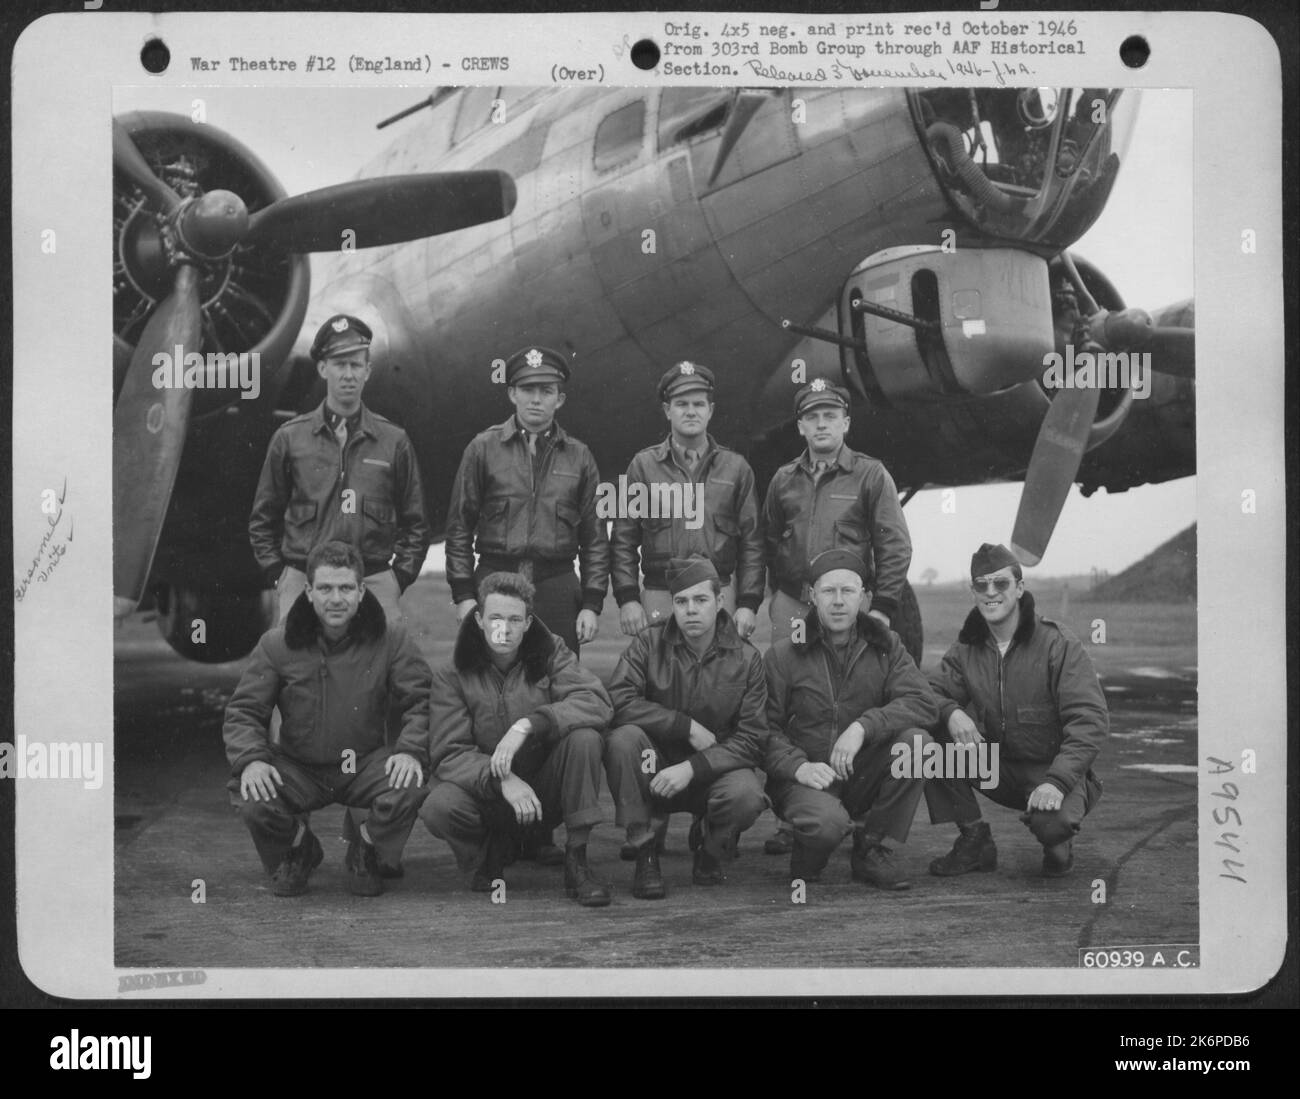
(320, 715)
(835, 696)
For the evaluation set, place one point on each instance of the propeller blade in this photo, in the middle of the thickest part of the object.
(387, 210)
(149, 428)
(744, 108)
(128, 160)
(1062, 439)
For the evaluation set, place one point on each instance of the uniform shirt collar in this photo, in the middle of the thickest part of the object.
(668, 447)
(841, 458)
(512, 427)
(363, 422)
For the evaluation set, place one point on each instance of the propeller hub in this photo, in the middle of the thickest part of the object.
(211, 225)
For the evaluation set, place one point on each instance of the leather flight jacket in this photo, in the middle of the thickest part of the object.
(313, 490)
(518, 520)
(853, 505)
(729, 534)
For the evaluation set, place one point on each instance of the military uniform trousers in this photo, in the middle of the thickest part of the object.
(729, 804)
(873, 799)
(566, 782)
(953, 799)
(309, 786)
(784, 612)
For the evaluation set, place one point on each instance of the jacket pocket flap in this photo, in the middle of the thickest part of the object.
(379, 510)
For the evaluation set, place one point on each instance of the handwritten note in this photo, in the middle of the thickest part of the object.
(53, 546)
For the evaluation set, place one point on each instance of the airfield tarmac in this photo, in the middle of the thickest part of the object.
(173, 824)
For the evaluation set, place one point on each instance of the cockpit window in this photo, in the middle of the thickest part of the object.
(475, 112)
(619, 136)
(687, 113)
(1031, 164)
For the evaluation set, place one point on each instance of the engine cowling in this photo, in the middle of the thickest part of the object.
(253, 299)
(984, 321)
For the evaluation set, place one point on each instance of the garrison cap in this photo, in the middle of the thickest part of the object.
(990, 558)
(338, 335)
(536, 364)
(686, 572)
(818, 393)
(832, 559)
(685, 377)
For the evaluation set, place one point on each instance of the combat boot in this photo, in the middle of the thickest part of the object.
(974, 850)
(875, 864)
(362, 867)
(806, 865)
(290, 877)
(1058, 860)
(579, 883)
(647, 881)
(493, 862)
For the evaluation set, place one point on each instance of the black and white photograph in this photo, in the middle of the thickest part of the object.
(634, 234)
(657, 530)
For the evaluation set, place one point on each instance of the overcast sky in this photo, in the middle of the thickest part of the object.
(1143, 242)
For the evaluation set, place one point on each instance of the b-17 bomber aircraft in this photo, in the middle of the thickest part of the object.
(910, 244)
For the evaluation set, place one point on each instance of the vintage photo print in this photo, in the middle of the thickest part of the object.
(673, 504)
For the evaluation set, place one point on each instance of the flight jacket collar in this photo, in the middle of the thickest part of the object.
(511, 429)
(975, 630)
(365, 425)
(302, 626)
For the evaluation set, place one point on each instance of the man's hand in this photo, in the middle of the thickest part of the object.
(846, 747)
(519, 795)
(746, 622)
(1046, 797)
(464, 608)
(588, 624)
(701, 738)
(671, 780)
(881, 615)
(816, 776)
(403, 771)
(255, 781)
(504, 756)
(962, 729)
(631, 618)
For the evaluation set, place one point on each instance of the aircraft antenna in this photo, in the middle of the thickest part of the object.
(439, 94)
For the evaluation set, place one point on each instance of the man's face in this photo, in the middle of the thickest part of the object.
(824, 428)
(345, 376)
(335, 595)
(689, 414)
(696, 609)
(504, 620)
(838, 596)
(997, 606)
(536, 403)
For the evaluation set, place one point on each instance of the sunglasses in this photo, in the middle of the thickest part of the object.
(999, 584)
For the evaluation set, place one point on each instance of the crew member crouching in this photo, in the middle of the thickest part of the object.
(516, 740)
(689, 709)
(1024, 683)
(333, 667)
(842, 692)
